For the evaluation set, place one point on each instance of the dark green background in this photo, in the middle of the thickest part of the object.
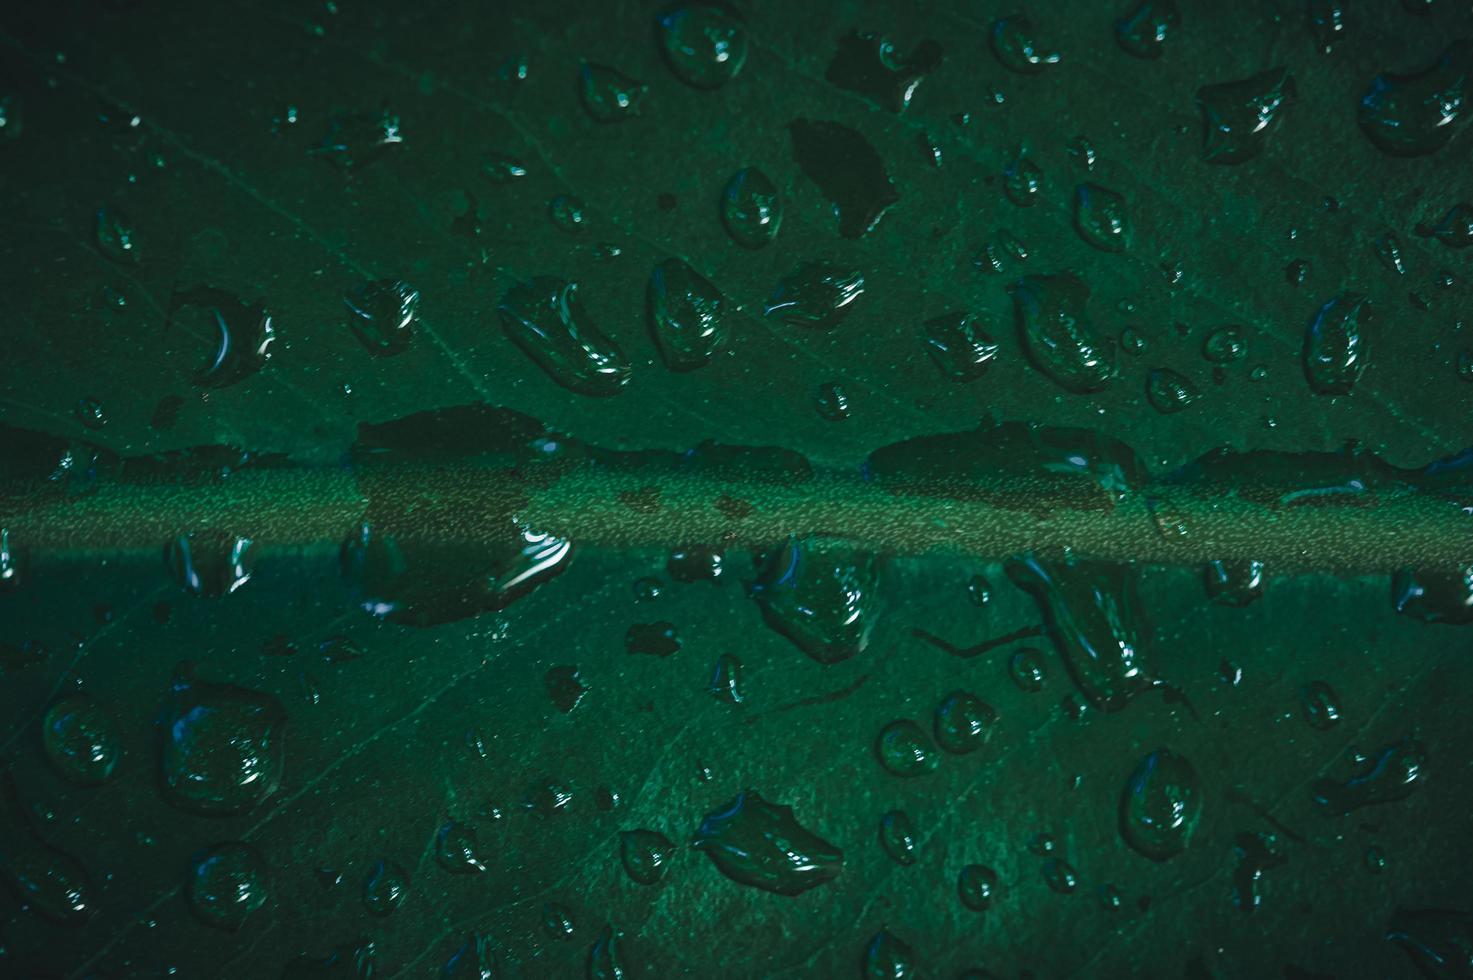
(222, 196)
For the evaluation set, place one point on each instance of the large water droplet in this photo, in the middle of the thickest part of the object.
(238, 335)
(976, 885)
(381, 315)
(751, 208)
(604, 961)
(1415, 114)
(81, 740)
(1143, 32)
(545, 319)
(847, 170)
(1335, 344)
(1237, 117)
(1094, 617)
(761, 844)
(1161, 805)
(1395, 772)
(1014, 43)
(959, 345)
(821, 595)
(868, 64)
(226, 884)
(687, 315)
(1169, 391)
(888, 957)
(1434, 595)
(1060, 340)
(898, 837)
(222, 746)
(904, 749)
(608, 94)
(704, 42)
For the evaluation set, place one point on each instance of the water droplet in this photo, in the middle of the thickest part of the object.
(1395, 772)
(1257, 853)
(240, 335)
(898, 837)
(704, 42)
(81, 739)
(1297, 271)
(567, 213)
(751, 208)
(1320, 705)
(565, 686)
(868, 64)
(226, 884)
(1060, 876)
(222, 746)
(761, 844)
(963, 722)
(959, 346)
(608, 94)
(115, 236)
(546, 320)
(384, 888)
(888, 957)
(1013, 42)
(1225, 345)
(1434, 595)
(604, 962)
(1100, 218)
(44, 879)
(1237, 117)
(210, 564)
(687, 316)
(832, 402)
(848, 172)
(1388, 250)
(1326, 22)
(976, 885)
(1454, 229)
(1060, 340)
(1022, 180)
(822, 596)
(726, 679)
(1026, 669)
(1415, 114)
(381, 315)
(1234, 583)
(1094, 617)
(652, 639)
(905, 750)
(1375, 859)
(557, 920)
(696, 564)
(1110, 897)
(1161, 805)
(1083, 151)
(645, 854)
(979, 591)
(90, 413)
(354, 140)
(1335, 344)
(1143, 32)
(456, 848)
(501, 169)
(1170, 392)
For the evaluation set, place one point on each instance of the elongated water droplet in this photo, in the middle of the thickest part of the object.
(1335, 345)
(238, 335)
(1234, 583)
(385, 886)
(1454, 229)
(761, 844)
(888, 957)
(1395, 772)
(1100, 218)
(604, 961)
(898, 837)
(1017, 47)
(687, 316)
(545, 319)
(815, 295)
(751, 208)
(1060, 340)
(869, 65)
(209, 563)
(456, 849)
(847, 170)
(356, 139)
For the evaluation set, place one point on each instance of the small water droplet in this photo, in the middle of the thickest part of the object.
(898, 837)
(81, 739)
(959, 345)
(704, 43)
(1026, 669)
(1100, 218)
(1016, 46)
(115, 236)
(1225, 345)
(384, 888)
(905, 750)
(456, 849)
(567, 213)
(726, 679)
(209, 564)
(1454, 229)
(645, 854)
(963, 722)
(1060, 339)
(1161, 805)
(222, 746)
(608, 94)
(1060, 876)
(751, 208)
(868, 64)
(1022, 180)
(1170, 392)
(226, 884)
(888, 957)
(1234, 583)
(832, 403)
(976, 885)
(1144, 31)
(1393, 774)
(1320, 705)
